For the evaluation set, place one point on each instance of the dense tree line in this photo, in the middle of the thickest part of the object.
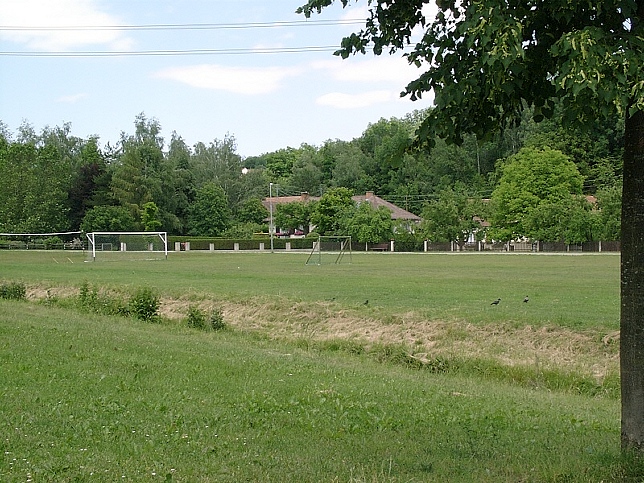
(527, 181)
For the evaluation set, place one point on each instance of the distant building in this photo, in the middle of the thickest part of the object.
(397, 213)
(376, 202)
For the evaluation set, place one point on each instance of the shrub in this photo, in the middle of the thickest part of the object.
(53, 242)
(91, 300)
(87, 296)
(217, 320)
(13, 291)
(144, 305)
(196, 318)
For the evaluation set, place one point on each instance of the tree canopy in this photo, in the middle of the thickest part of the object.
(453, 216)
(486, 60)
(530, 180)
(209, 214)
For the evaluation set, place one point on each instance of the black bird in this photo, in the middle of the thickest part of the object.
(496, 302)
(526, 300)
(366, 302)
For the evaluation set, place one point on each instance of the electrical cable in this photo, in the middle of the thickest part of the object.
(96, 53)
(186, 26)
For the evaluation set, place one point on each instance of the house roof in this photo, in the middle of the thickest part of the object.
(397, 213)
(376, 202)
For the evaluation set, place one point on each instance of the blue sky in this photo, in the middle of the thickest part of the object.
(267, 101)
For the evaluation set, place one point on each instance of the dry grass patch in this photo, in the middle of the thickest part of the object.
(590, 353)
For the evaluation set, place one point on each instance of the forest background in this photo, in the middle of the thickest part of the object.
(540, 181)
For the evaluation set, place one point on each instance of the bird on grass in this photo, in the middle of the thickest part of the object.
(496, 302)
(366, 302)
(526, 299)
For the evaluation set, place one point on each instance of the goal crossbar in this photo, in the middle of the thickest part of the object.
(162, 235)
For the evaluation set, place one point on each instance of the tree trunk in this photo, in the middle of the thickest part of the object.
(632, 286)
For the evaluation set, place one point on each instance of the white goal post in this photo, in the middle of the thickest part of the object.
(330, 249)
(111, 244)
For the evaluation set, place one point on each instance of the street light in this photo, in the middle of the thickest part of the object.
(270, 204)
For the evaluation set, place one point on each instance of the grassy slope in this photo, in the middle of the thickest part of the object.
(437, 305)
(106, 399)
(83, 396)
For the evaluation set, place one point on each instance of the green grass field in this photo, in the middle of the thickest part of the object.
(578, 291)
(309, 383)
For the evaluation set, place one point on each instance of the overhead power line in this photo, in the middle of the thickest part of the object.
(169, 27)
(96, 53)
(183, 26)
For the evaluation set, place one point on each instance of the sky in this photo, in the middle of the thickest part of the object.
(268, 77)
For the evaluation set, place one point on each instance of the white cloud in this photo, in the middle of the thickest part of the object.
(232, 79)
(359, 12)
(48, 23)
(395, 70)
(339, 100)
(72, 99)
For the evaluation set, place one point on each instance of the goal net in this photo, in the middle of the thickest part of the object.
(132, 245)
(330, 250)
(68, 240)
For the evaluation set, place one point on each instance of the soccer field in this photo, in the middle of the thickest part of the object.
(574, 291)
(313, 383)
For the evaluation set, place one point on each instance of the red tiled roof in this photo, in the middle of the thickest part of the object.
(397, 213)
(376, 202)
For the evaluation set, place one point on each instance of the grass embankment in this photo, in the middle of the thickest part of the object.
(427, 309)
(278, 399)
(107, 399)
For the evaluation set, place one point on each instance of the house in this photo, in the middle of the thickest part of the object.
(397, 213)
(376, 202)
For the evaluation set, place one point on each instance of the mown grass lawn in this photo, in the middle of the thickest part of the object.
(565, 290)
(85, 397)
(112, 399)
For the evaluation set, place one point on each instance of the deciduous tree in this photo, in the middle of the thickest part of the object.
(209, 214)
(150, 217)
(292, 216)
(486, 60)
(529, 179)
(450, 217)
(329, 211)
(369, 225)
(108, 218)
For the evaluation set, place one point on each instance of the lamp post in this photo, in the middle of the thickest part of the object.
(270, 204)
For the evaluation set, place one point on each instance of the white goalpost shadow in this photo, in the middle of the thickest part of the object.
(113, 245)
